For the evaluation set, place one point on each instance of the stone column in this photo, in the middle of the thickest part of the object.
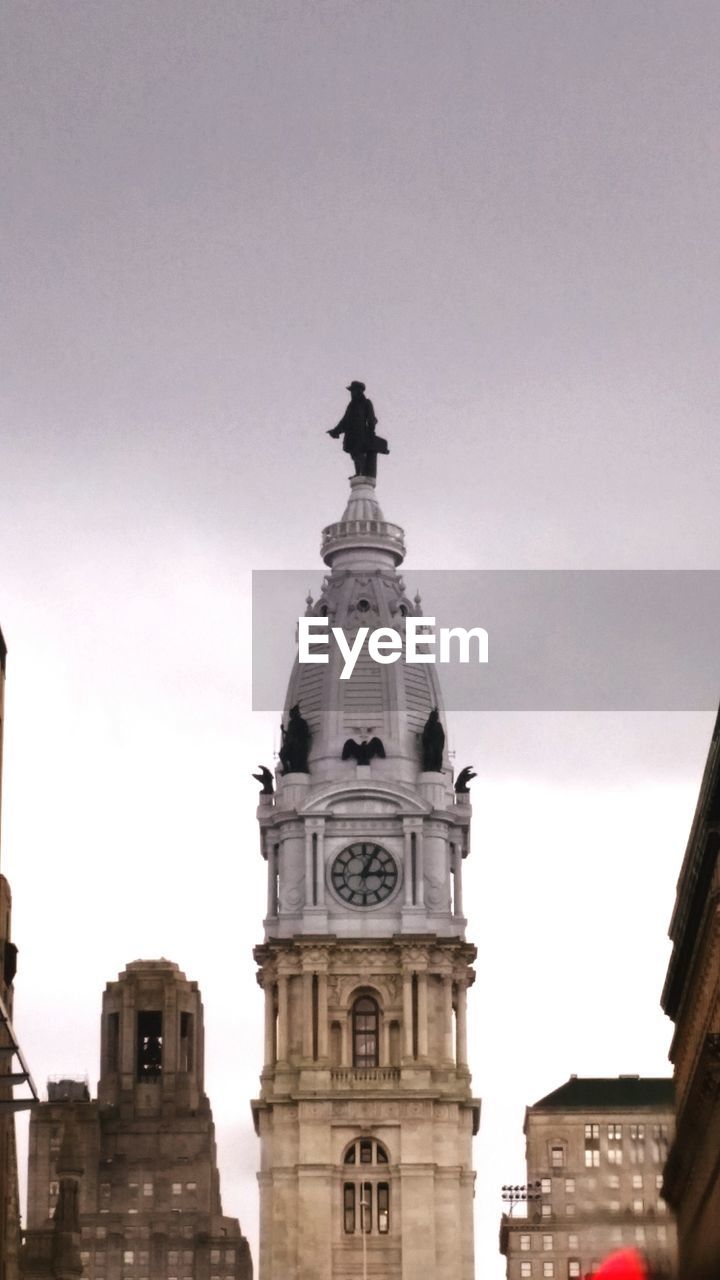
(310, 886)
(269, 1023)
(447, 1018)
(272, 906)
(407, 864)
(407, 1014)
(307, 1029)
(345, 1043)
(384, 1057)
(422, 1014)
(457, 868)
(322, 1015)
(282, 1030)
(461, 1050)
(320, 870)
(419, 865)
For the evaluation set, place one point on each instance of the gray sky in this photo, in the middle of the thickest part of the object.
(503, 217)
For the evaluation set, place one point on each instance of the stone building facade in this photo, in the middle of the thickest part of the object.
(691, 997)
(149, 1193)
(595, 1151)
(365, 1113)
(13, 1069)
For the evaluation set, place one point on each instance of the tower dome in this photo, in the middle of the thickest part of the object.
(393, 701)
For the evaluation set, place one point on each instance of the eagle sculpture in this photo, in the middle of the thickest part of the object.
(363, 752)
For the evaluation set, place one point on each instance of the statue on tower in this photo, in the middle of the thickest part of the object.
(357, 425)
(433, 743)
(295, 743)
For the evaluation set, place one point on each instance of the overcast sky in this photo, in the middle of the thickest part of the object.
(503, 217)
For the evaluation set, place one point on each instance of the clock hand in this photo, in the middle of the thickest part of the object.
(367, 859)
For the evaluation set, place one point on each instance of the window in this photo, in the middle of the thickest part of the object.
(191, 1187)
(637, 1143)
(366, 1207)
(147, 1188)
(229, 1257)
(215, 1255)
(545, 1186)
(658, 1181)
(614, 1134)
(570, 1210)
(614, 1206)
(349, 1208)
(637, 1181)
(638, 1206)
(557, 1155)
(129, 1258)
(383, 1208)
(547, 1242)
(366, 1204)
(549, 1269)
(639, 1235)
(569, 1186)
(546, 1211)
(573, 1243)
(613, 1181)
(173, 1258)
(149, 1044)
(524, 1243)
(365, 1039)
(177, 1188)
(662, 1235)
(573, 1268)
(660, 1143)
(187, 1042)
(592, 1146)
(525, 1270)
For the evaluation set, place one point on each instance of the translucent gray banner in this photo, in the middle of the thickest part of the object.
(558, 640)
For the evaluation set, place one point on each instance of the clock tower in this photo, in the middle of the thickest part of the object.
(365, 1113)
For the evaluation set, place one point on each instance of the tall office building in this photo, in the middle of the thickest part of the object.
(595, 1151)
(143, 1153)
(365, 1113)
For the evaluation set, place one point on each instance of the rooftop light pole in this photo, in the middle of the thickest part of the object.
(520, 1194)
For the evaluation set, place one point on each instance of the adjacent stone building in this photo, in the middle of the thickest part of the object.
(365, 1114)
(13, 1069)
(149, 1191)
(691, 997)
(595, 1151)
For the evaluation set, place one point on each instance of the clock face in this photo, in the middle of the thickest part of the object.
(364, 874)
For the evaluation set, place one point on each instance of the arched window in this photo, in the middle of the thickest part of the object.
(366, 1032)
(366, 1189)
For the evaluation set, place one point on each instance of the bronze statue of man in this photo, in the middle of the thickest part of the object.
(357, 426)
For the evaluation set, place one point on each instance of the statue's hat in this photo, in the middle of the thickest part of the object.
(353, 385)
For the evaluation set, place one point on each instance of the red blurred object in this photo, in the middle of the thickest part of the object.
(625, 1265)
